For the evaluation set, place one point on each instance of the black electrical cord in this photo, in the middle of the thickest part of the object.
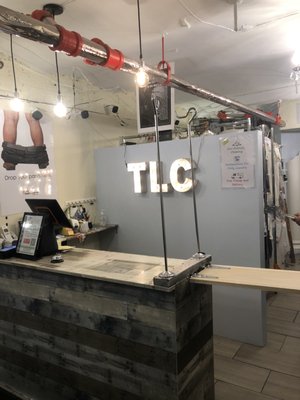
(57, 74)
(140, 33)
(13, 63)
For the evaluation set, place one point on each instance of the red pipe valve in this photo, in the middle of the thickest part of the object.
(115, 58)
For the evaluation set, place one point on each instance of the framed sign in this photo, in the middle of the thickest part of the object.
(145, 111)
(30, 235)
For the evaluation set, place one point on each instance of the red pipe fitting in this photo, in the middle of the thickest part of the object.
(115, 58)
(166, 67)
(40, 15)
(69, 42)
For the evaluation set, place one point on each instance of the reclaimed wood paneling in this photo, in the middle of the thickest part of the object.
(83, 338)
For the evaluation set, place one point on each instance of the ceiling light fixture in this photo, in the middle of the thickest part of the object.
(16, 104)
(142, 78)
(60, 110)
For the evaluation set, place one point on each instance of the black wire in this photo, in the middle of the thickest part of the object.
(13, 63)
(74, 91)
(57, 74)
(140, 33)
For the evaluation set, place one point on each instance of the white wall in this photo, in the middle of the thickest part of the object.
(290, 113)
(74, 139)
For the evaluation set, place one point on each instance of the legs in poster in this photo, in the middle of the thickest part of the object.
(13, 154)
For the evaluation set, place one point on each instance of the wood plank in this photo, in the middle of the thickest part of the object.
(198, 370)
(286, 363)
(136, 331)
(248, 277)
(66, 377)
(83, 300)
(291, 345)
(281, 313)
(121, 292)
(240, 373)
(131, 350)
(31, 385)
(136, 270)
(284, 386)
(225, 347)
(283, 327)
(102, 367)
(275, 341)
(287, 300)
(226, 391)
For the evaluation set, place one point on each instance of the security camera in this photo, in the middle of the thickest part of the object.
(111, 109)
(84, 114)
(37, 114)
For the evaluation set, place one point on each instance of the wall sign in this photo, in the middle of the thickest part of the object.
(26, 160)
(238, 158)
(178, 179)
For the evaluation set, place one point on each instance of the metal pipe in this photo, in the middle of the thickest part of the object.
(13, 22)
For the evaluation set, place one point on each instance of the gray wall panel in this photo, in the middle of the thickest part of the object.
(230, 222)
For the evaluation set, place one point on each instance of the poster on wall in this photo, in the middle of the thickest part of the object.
(165, 98)
(26, 164)
(238, 158)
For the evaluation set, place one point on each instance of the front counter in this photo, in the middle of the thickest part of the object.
(96, 327)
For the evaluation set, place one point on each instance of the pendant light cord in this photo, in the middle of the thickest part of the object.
(57, 74)
(140, 32)
(13, 63)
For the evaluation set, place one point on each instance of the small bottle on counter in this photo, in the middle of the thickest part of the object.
(103, 219)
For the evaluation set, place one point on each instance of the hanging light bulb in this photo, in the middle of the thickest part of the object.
(16, 104)
(141, 78)
(296, 58)
(60, 110)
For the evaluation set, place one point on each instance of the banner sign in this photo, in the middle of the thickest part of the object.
(26, 165)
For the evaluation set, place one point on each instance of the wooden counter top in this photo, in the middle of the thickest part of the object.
(132, 269)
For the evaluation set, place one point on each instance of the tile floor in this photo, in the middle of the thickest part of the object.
(247, 372)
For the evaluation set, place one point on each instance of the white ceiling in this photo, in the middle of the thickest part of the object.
(251, 65)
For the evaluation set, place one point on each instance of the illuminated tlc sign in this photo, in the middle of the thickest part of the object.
(179, 181)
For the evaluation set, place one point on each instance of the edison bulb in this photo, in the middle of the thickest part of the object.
(142, 78)
(60, 110)
(16, 104)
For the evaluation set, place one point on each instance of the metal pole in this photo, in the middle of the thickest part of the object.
(193, 176)
(275, 265)
(235, 12)
(16, 23)
(166, 273)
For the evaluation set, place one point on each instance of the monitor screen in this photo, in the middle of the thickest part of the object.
(37, 237)
(52, 208)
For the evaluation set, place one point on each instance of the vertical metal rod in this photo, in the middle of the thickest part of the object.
(235, 13)
(265, 189)
(275, 265)
(193, 175)
(156, 108)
